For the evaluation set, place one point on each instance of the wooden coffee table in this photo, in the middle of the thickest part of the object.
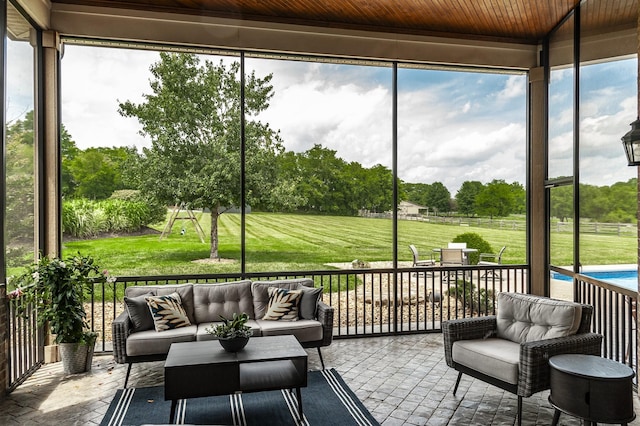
(197, 369)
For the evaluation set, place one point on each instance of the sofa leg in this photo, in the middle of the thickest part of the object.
(321, 360)
(519, 410)
(126, 378)
(455, 388)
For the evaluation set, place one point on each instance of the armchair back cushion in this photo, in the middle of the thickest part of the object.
(224, 299)
(524, 318)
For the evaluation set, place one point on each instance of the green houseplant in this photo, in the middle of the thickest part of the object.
(55, 290)
(233, 334)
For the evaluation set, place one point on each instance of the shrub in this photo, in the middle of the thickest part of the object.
(477, 301)
(84, 218)
(157, 211)
(475, 241)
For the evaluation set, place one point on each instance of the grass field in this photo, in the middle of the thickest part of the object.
(285, 242)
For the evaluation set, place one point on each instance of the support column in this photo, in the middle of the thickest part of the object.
(537, 173)
(50, 229)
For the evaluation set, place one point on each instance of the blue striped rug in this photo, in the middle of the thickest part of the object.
(327, 400)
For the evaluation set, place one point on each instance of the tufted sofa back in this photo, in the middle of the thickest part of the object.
(224, 299)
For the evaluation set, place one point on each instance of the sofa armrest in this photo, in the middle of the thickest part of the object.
(534, 358)
(121, 328)
(325, 316)
(466, 329)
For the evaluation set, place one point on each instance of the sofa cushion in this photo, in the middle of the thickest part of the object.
(309, 302)
(494, 357)
(167, 312)
(139, 312)
(283, 304)
(203, 335)
(303, 330)
(184, 290)
(261, 297)
(526, 318)
(221, 299)
(153, 343)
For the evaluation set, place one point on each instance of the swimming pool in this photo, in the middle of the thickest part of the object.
(627, 279)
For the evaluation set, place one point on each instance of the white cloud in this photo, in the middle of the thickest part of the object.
(514, 87)
(94, 80)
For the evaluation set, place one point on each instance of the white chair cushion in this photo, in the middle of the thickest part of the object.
(526, 318)
(494, 357)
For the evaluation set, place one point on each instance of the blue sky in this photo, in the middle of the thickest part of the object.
(452, 126)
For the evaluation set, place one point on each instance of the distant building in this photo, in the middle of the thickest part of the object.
(410, 209)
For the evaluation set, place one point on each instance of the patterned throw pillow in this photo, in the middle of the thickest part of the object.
(283, 304)
(167, 312)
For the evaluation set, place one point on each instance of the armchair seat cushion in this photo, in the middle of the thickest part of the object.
(525, 318)
(493, 356)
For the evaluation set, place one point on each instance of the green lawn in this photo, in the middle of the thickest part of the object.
(281, 242)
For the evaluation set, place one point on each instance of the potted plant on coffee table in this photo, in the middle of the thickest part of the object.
(233, 334)
(55, 290)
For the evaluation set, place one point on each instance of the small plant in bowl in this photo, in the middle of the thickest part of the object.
(233, 334)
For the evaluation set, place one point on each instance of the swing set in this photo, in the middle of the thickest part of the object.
(182, 212)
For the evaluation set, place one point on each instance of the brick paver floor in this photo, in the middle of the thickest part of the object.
(402, 380)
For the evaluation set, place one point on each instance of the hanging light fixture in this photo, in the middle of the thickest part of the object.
(631, 143)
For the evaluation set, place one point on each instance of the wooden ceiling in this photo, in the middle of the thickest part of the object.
(522, 21)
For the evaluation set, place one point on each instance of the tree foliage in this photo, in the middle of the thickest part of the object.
(439, 197)
(192, 117)
(417, 193)
(466, 197)
(616, 203)
(327, 184)
(19, 197)
(495, 199)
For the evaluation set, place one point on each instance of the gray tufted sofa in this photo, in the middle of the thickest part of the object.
(511, 350)
(205, 303)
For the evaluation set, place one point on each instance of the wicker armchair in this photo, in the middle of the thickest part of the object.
(489, 353)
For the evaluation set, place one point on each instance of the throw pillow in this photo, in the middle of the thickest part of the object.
(283, 304)
(168, 312)
(138, 311)
(309, 302)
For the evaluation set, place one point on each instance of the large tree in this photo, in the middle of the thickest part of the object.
(192, 117)
(496, 199)
(439, 198)
(466, 197)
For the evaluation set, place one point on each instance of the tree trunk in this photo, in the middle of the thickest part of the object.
(213, 253)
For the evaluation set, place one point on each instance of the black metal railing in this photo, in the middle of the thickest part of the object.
(614, 316)
(367, 302)
(26, 344)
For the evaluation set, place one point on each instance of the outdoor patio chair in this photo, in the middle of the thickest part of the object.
(416, 259)
(512, 349)
(451, 257)
(459, 246)
(496, 259)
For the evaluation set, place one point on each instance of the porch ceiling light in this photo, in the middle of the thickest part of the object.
(631, 143)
